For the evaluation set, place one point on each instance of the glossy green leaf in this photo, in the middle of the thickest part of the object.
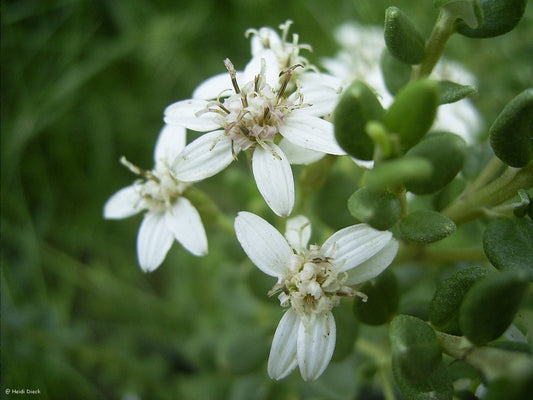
(508, 244)
(382, 302)
(357, 106)
(378, 208)
(444, 308)
(415, 348)
(413, 112)
(402, 38)
(446, 153)
(450, 92)
(396, 74)
(426, 226)
(395, 172)
(499, 17)
(510, 134)
(491, 304)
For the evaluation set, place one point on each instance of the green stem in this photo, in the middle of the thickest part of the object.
(443, 29)
(419, 253)
(493, 362)
(474, 205)
(486, 175)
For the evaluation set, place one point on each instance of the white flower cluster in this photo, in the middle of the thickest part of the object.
(278, 110)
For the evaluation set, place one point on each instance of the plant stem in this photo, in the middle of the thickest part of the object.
(486, 175)
(443, 29)
(418, 253)
(474, 205)
(493, 362)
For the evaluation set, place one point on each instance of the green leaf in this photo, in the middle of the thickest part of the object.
(402, 38)
(415, 348)
(437, 386)
(450, 92)
(395, 172)
(511, 133)
(378, 208)
(347, 330)
(426, 226)
(449, 193)
(382, 302)
(413, 111)
(491, 304)
(446, 153)
(357, 106)
(396, 74)
(444, 308)
(499, 17)
(508, 244)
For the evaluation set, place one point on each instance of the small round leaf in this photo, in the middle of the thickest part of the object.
(382, 302)
(415, 347)
(491, 304)
(437, 386)
(508, 244)
(357, 106)
(510, 134)
(446, 153)
(396, 74)
(450, 92)
(396, 172)
(378, 208)
(499, 17)
(426, 226)
(444, 308)
(402, 38)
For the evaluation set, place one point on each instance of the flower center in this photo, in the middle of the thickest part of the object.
(157, 189)
(312, 285)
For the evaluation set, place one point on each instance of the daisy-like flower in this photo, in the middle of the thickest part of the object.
(311, 281)
(252, 118)
(359, 58)
(169, 215)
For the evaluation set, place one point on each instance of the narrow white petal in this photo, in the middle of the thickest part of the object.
(374, 265)
(215, 86)
(316, 343)
(310, 132)
(253, 68)
(263, 244)
(319, 79)
(184, 222)
(297, 154)
(204, 157)
(170, 142)
(274, 179)
(122, 204)
(185, 113)
(282, 359)
(353, 245)
(153, 241)
(298, 232)
(322, 100)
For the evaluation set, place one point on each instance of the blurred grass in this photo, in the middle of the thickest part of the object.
(84, 82)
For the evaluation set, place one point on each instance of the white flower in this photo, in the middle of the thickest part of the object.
(311, 281)
(251, 118)
(169, 215)
(359, 58)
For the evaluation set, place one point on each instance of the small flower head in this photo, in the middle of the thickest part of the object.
(311, 280)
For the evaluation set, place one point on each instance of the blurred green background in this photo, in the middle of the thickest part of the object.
(84, 82)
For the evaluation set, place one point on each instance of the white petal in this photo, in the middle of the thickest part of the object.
(310, 132)
(263, 244)
(322, 100)
(122, 204)
(282, 358)
(374, 265)
(153, 241)
(274, 179)
(204, 157)
(298, 232)
(215, 86)
(253, 68)
(297, 154)
(170, 142)
(316, 343)
(185, 113)
(353, 245)
(184, 222)
(318, 79)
